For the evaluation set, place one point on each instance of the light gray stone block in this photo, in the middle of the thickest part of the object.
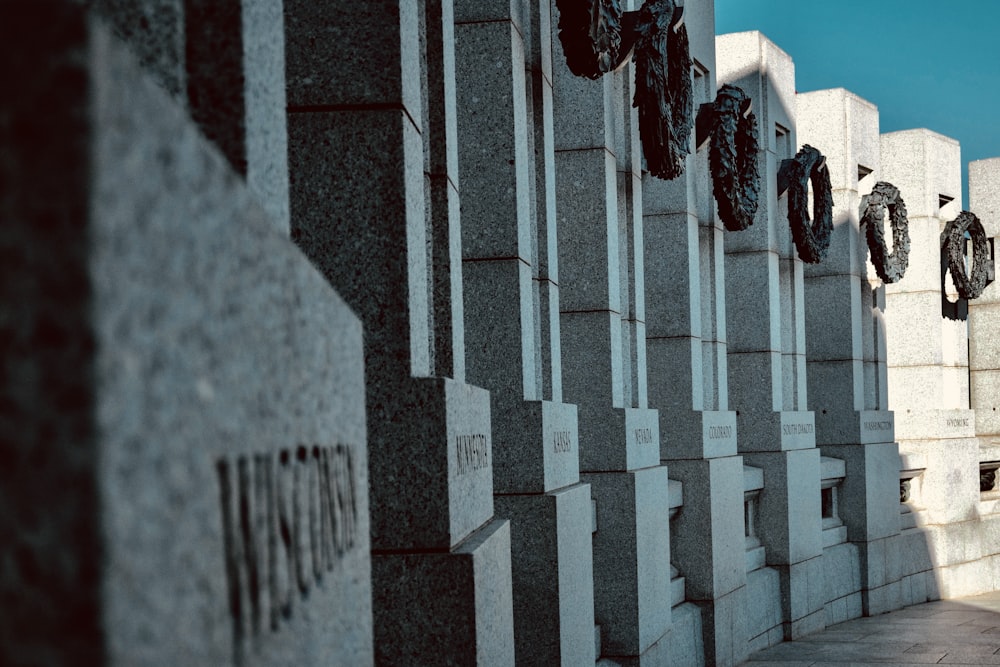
(869, 495)
(444, 621)
(631, 575)
(775, 431)
(840, 427)
(923, 165)
(983, 176)
(685, 642)
(724, 629)
(764, 589)
(790, 517)
(173, 335)
(847, 128)
(553, 582)
(927, 425)
(713, 563)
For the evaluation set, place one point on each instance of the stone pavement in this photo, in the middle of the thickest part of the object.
(965, 631)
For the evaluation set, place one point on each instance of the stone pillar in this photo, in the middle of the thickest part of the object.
(598, 203)
(846, 370)
(688, 373)
(185, 483)
(928, 372)
(506, 162)
(765, 314)
(225, 62)
(984, 346)
(373, 207)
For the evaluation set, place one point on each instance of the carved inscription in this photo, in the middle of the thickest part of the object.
(562, 441)
(797, 429)
(956, 423)
(644, 436)
(720, 432)
(287, 518)
(471, 452)
(874, 425)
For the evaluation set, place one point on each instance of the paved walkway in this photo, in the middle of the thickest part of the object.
(948, 632)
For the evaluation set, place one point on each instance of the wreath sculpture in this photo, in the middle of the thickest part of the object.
(969, 287)
(663, 92)
(889, 267)
(590, 33)
(812, 240)
(732, 155)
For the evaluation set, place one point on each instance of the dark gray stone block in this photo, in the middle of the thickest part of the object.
(553, 575)
(188, 485)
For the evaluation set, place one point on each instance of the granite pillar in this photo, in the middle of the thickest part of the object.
(441, 574)
(225, 62)
(506, 162)
(765, 314)
(928, 373)
(602, 319)
(844, 326)
(984, 348)
(688, 372)
(184, 483)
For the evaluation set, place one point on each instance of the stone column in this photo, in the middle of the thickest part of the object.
(688, 373)
(225, 62)
(846, 369)
(506, 164)
(598, 203)
(765, 315)
(185, 483)
(928, 372)
(373, 207)
(984, 345)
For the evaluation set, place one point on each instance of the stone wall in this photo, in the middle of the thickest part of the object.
(360, 333)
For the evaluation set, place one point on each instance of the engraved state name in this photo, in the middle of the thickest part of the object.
(797, 429)
(957, 423)
(562, 441)
(287, 518)
(644, 436)
(471, 452)
(884, 425)
(719, 432)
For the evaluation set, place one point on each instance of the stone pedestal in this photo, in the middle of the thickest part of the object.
(505, 158)
(391, 247)
(846, 359)
(765, 314)
(928, 364)
(984, 347)
(602, 318)
(688, 373)
(707, 544)
(185, 484)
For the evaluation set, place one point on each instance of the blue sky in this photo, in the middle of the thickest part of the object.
(924, 64)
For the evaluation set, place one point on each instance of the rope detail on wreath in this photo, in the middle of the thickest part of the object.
(889, 267)
(663, 92)
(811, 240)
(953, 238)
(590, 33)
(733, 158)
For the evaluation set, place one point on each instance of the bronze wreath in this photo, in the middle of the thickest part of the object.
(663, 88)
(732, 155)
(590, 33)
(889, 267)
(813, 240)
(953, 237)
